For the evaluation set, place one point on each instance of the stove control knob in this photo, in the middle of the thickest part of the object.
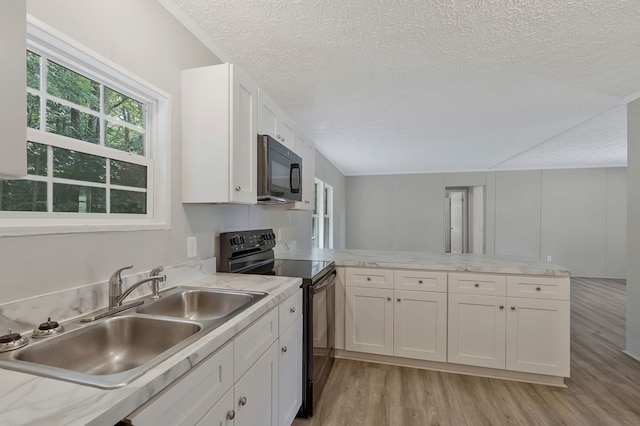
(242, 240)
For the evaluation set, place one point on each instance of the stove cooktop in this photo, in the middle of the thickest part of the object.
(305, 269)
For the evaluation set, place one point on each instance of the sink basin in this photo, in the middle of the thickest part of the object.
(106, 354)
(201, 304)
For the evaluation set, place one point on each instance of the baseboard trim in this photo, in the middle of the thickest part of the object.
(445, 367)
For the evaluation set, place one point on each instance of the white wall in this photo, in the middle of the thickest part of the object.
(145, 39)
(576, 216)
(633, 229)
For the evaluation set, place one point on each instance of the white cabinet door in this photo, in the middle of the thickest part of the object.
(290, 373)
(267, 115)
(306, 150)
(13, 103)
(286, 131)
(420, 325)
(273, 121)
(244, 141)
(477, 330)
(256, 393)
(219, 144)
(538, 336)
(221, 414)
(369, 320)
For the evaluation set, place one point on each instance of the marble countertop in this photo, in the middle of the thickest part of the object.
(32, 400)
(431, 261)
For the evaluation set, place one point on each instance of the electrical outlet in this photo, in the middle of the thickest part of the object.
(549, 258)
(192, 247)
(279, 234)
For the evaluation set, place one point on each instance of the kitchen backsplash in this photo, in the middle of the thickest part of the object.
(24, 315)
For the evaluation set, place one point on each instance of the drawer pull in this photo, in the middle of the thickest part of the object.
(238, 188)
(476, 285)
(399, 299)
(368, 278)
(388, 299)
(284, 349)
(501, 307)
(419, 281)
(513, 308)
(538, 288)
(231, 414)
(242, 401)
(292, 310)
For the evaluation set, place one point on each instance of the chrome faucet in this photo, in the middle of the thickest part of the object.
(116, 296)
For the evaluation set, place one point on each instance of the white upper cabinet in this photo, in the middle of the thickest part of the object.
(219, 135)
(273, 121)
(304, 148)
(13, 103)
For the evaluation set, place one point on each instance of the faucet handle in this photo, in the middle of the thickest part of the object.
(156, 271)
(116, 278)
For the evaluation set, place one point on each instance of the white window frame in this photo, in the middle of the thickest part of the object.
(42, 39)
(322, 213)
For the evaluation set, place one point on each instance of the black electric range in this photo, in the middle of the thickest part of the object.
(251, 252)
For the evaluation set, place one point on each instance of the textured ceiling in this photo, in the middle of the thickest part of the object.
(401, 86)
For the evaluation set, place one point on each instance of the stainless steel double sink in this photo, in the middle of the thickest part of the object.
(111, 352)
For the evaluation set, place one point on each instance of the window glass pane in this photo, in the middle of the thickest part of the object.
(36, 159)
(326, 193)
(66, 121)
(78, 199)
(73, 87)
(23, 196)
(124, 139)
(78, 166)
(315, 198)
(33, 111)
(33, 70)
(123, 107)
(326, 232)
(127, 174)
(128, 202)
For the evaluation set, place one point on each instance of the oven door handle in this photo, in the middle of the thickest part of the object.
(326, 282)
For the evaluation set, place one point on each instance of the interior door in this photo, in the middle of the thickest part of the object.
(457, 220)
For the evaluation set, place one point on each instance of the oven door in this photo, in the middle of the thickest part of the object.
(323, 334)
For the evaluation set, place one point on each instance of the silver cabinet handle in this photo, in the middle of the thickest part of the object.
(388, 299)
(399, 299)
(368, 278)
(283, 139)
(538, 288)
(242, 401)
(419, 281)
(292, 310)
(238, 188)
(284, 349)
(231, 414)
(513, 308)
(476, 285)
(501, 307)
(280, 137)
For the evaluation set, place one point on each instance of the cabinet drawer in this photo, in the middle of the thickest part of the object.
(370, 277)
(494, 285)
(289, 311)
(253, 342)
(189, 398)
(420, 280)
(556, 288)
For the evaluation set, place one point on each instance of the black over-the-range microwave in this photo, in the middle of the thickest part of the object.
(279, 172)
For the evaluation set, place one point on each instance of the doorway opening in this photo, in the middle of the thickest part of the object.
(464, 220)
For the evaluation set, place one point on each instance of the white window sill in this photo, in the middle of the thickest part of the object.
(51, 228)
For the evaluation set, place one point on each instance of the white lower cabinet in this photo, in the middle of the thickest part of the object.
(254, 380)
(369, 320)
(420, 325)
(538, 336)
(256, 393)
(290, 373)
(529, 335)
(402, 323)
(477, 330)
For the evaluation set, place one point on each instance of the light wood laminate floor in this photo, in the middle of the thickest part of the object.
(604, 388)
